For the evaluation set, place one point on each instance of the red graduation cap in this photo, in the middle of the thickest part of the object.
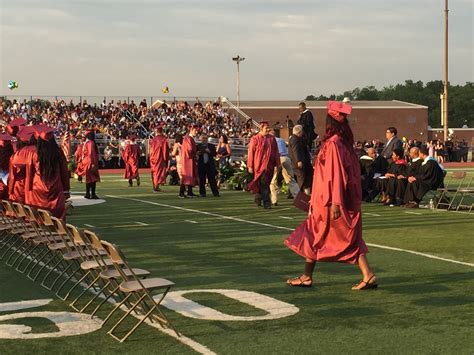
(25, 133)
(12, 127)
(5, 139)
(338, 110)
(44, 132)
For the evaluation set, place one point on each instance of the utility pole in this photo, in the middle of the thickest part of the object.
(238, 59)
(444, 106)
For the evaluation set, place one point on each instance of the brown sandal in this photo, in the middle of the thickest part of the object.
(298, 282)
(367, 285)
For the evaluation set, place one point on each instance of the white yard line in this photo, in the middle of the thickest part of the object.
(287, 229)
(286, 217)
(142, 224)
(190, 221)
(417, 213)
(89, 225)
(372, 214)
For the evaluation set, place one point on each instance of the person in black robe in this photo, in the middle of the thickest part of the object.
(430, 177)
(307, 121)
(207, 166)
(300, 157)
(367, 174)
(413, 169)
(386, 185)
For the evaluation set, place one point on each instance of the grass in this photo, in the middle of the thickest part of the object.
(422, 306)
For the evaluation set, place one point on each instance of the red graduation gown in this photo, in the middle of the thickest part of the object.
(78, 155)
(48, 194)
(90, 157)
(17, 173)
(189, 173)
(159, 156)
(336, 181)
(131, 157)
(263, 157)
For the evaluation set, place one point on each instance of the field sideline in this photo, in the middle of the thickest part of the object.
(425, 302)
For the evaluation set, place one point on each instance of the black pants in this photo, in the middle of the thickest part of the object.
(264, 195)
(183, 187)
(207, 171)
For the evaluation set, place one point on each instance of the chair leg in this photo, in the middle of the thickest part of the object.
(104, 300)
(19, 251)
(135, 326)
(38, 262)
(30, 256)
(72, 304)
(100, 292)
(125, 316)
(116, 307)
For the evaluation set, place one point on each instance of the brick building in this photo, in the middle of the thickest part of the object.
(369, 119)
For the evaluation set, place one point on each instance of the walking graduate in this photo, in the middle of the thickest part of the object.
(90, 164)
(47, 176)
(188, 160)
(333, 229)
(78, 154)
(263, 160)
(25, 147)
(131, 158)
(159, 157)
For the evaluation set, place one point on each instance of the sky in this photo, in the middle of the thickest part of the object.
(293, 48)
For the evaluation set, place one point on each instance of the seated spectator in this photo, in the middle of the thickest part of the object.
(413, 169)
(429, 177)
(386, 183)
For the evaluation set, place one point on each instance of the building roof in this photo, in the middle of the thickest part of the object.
(322, 104)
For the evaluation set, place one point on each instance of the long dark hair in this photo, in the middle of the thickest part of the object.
(342, 129)
(5, 153)
(178, 138)
(49, 157)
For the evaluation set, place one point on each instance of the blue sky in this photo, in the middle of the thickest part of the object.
(292, 48)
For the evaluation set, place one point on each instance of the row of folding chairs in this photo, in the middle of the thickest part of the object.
(81, 268)
(457, 193)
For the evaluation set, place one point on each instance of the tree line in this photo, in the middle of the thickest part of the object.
(460, 99)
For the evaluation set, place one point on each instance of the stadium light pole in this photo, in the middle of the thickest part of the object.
(444, 104)
(238, 59)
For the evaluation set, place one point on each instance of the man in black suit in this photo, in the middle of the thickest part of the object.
(307, 121)
(300, 159)
(393, 142)
(207, 166)
(430, 176)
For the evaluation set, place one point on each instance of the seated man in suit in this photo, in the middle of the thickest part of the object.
(429, 177)
(386, 184)
(207, 166)
(413, 169)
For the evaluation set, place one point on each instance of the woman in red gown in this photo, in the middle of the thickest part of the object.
(159, 157)
(47, 176)
(131, 158)
(6, 151)
(333, 229)
(78, 156)
(25, 147)
(90, 164)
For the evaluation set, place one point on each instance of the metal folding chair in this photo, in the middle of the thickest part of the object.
(466, 192)
(449, 193)
(132, 285)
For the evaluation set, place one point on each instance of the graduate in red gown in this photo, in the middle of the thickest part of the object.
(333, 229)
(263, 159)
(47, 176)
(90, 164)
(159, 157)
(78, 154)
(6, 151)
(13, 126)
(25, 147)
(188, 159)
(131, 158)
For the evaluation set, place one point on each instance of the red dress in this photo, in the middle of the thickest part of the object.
(47, 194)
(17, 173)
(263, 157)
(336, 181)
(159, 156)
(131, 157)
(90, 157)
(187, 154)
(78, 155)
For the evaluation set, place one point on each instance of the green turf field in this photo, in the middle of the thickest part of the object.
(423, 304)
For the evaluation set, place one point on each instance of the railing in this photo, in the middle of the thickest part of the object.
(238, 110)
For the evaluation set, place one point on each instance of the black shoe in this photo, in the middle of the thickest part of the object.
(267, 207)
(274, 204)
(289, 197)
(217, 195)
(138, 182)
(182, 196)
(87, 196)
(192, 195)
(95, 197)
